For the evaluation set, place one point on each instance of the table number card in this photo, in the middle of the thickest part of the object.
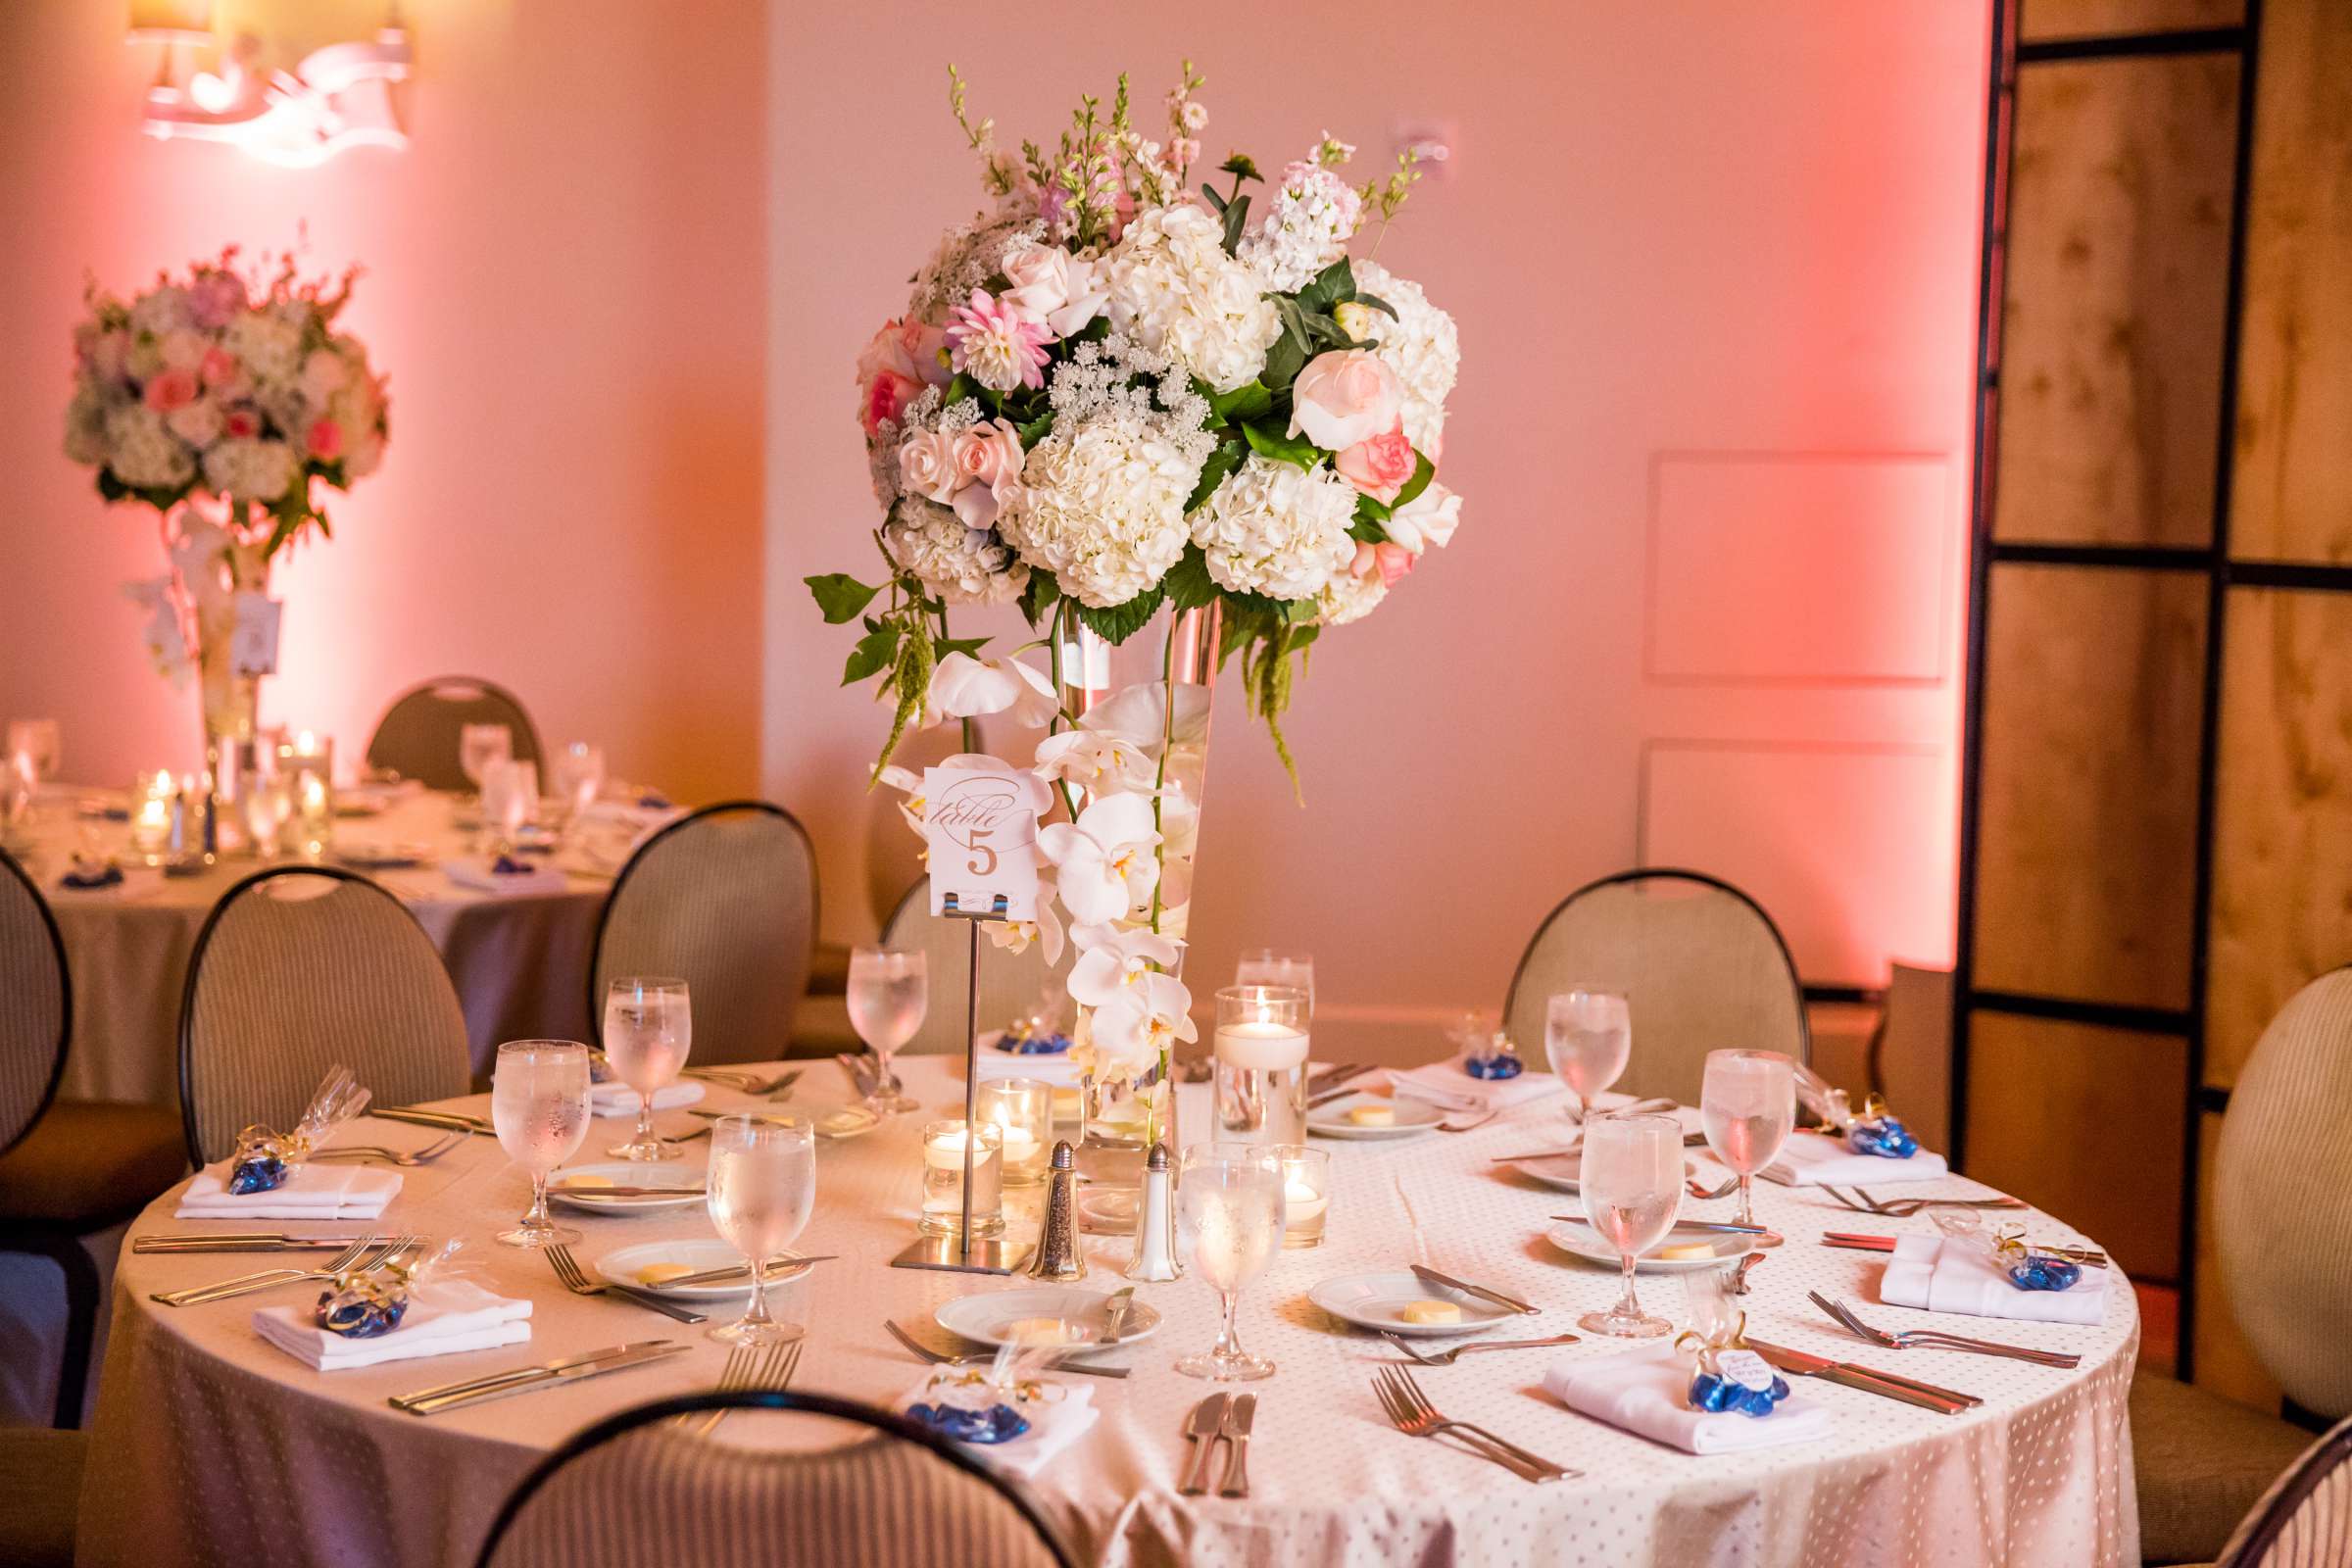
(253, 643)
(981, 827)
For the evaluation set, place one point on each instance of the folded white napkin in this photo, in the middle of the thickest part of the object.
(1051, 1429)
(1939, 1275)
(1055, 1069)
(1816, 1159)
(444, 1318)
(1647, 1392)
(1445, 1083)
(477, 875)
(316, 1190)
(619, 1100)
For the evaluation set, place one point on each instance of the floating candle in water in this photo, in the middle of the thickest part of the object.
(1263, 1044)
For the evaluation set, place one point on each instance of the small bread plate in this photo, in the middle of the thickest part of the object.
(1041, 1316)
(1378, 1301)
(1584, 1242)
(578, 1187)
(1412, 1117)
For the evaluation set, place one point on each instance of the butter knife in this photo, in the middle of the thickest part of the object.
(1431, 1276)
(1238, 1415)
(241, 1242)
(774, 1270)
(1705, 1227)
(618, 1359)
(1927, 1396)
(432, 1118)
(1206, 1425)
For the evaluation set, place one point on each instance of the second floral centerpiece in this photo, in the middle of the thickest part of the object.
(1113, 398)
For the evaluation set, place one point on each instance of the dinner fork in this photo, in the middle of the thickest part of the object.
(1449, 1357)
(1905, 1207)
(1409, 1411)
(1472, 1125)
(398, 1157)
(1935, 1340)
(745, 1082)
(574, 1279)
(753, 1367)
(1725, 1191)
(350, 1258)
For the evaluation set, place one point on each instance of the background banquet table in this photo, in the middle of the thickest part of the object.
(519, 961)
(215, 1448)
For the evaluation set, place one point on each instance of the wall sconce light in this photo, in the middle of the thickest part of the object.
(339, 96)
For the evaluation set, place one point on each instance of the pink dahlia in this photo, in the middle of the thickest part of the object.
(997, 346)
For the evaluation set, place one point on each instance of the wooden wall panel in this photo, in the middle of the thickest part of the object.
(2116, 286)
(2087, 806)
(2226, 1362)
(2282, 822)
(2293, 497)
(2076, 19)
(2085, 1122)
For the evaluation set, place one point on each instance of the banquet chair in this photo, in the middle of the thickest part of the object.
(725, 900)
(418, 736)
(2305, 1519)
(69, 1168)
(298, 968)
(2283, 1227)
(1012, 983)
(639, 1488)
(1699, 963)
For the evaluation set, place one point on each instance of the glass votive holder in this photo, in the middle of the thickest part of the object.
(943, 1179)
(1305, 1193)
(154, 799)
(1021, 1110)
(306, 767)
(1260, 1050)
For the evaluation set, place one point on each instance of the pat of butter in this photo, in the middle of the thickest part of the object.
(840, 1121)
(662, 1273)
(1431, 1312)
(585, 1181)
(1690, 1250)
(1372, 1115)
(1039, 1331)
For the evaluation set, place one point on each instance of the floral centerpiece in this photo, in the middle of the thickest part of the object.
(219, 399)
(1113, 396)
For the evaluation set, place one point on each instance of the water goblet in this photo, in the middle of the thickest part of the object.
(1748, 1105)
(1229, 1224)
(649, 1029)
(886, 1000)
(480, 745)
(32, 747)
(1632, 1185)
(539, 1105)
(510, 799)
(763, 1185)
(1587, 1035)
(577, 777)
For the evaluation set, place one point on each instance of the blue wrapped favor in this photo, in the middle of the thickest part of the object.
(261, 1164)
(508, 865)
(995, 1423)
(2044, 1271)
(1884, 1136)
(1022, 1039)
(87, 875)
(1716, 1393)
(361, 1307)
(1503, 1064)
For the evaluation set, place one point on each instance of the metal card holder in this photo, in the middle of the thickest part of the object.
(962, 1253)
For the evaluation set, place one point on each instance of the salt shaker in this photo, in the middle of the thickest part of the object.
(1155, 1257)
(1057, 1239)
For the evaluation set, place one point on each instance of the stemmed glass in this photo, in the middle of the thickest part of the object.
(1267, 967)
(1748, 1103)
(1229, 1213)
(510, 799)
(887, 996)
(648, 1028)
(32, 748)
(763, 1185)
(539, 1104)
(578, 778)
(1632, 1185)
(1588, 1035)
(480, 745)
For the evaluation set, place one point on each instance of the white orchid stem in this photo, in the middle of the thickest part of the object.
(1167, 744)
(1060, 720)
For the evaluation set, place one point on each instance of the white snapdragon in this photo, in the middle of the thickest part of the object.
(1272, 527)
(1306, 228)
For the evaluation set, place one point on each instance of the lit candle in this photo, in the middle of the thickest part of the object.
(944, 1146)
(1305, 1193)
(1261, 1042)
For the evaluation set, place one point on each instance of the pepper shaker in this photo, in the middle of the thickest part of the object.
(1155, 1257)
(1056, 1255)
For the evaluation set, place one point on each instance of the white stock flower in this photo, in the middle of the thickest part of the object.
(963, 565)
(1101, 506)
(1428, 519)
(1174, 290)
(1143, 1022)
(1422, 346)
(250, 469)
(1274, 528)
(1100, 762)
(1306, 227)
(965, 687)
(142, 451)
(1104, 859)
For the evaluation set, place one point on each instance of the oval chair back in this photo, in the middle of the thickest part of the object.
(418, 736)
(2282, 1197)
(725, 900)
(36, 1003)
(1701, 964)
(1012, 983)
(641, 1487)
(2305, 1519)
(298, 968)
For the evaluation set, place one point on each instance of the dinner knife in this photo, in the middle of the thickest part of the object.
(1927, 1396)
(1207, 1423)
(241, 1242)
(787, 1268)
(531, 1369)
(1431, 1276)
(562, 1191)
(1703, 1226)
(1238, 1415)
(446, 1119)
(619, 1361)
(2088, 1257)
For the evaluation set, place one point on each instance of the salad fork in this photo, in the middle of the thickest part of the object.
(753, 1367)
(574, 1279)
(1449, 1357)
(375, 1252)
(396, 1157)
(1409, 1411)
(1725, 1191)
(1934, 1340)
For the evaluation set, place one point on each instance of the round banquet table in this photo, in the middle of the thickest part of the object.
(519, 961)
(215, 1448)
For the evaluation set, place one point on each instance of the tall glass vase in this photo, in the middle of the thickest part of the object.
(213, 563)
(1155, 688)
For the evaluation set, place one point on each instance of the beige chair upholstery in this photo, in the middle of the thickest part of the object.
(35, 1004)
(725, 900)
(2199, 1462)
(297, 970)
(1012, 983)
(792, 1482)
(2305, 1520)
(418, 736)
(1701, 964)
(1911, 1055)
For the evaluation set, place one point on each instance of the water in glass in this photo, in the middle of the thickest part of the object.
(887, 997)
(539, 1107)
(1229, 1222)
(649, 1030)
(1748, 1105)
(762, 1189)
(480, 745)
(1631, 1184)
(1588, 1036)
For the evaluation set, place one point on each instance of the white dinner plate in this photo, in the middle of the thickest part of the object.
(620, 1266)
(833, 1122)
(1413, 1117)
(1559, 1172)
(626, 1173)
(383, 857)
(1583, 1240)
(1378, 1301)
(988, 1317)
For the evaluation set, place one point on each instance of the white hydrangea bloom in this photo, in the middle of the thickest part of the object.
(1348, 598)
(1174, 290)
(250, 469)
(1421, 345)
(1277, 529)
(269, 346)
(1101, 506)
(963, 565)
(1306, 227)
(85, 423)
(142, 451)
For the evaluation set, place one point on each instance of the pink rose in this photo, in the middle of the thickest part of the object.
(925, 347)
(885, 399)
(1342, 397)
(928, 465)
(171, 389)
(1050, 285)
(326, 440)
(1430, 520)
(988, 461)
(1380, 466)
(218, 367)
(242, 423)
(891, 369)
(1391, 561)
